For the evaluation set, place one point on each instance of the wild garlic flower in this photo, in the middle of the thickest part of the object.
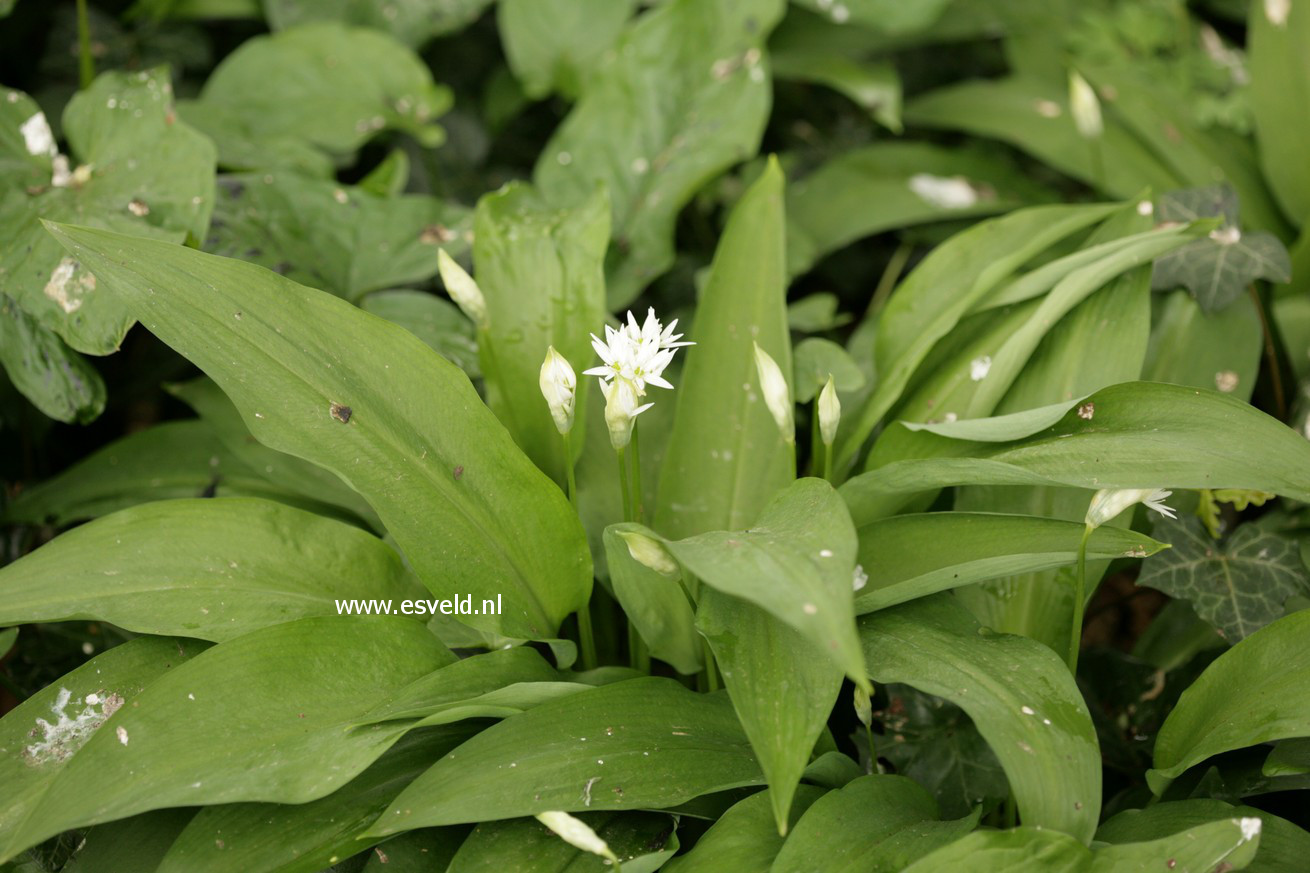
(633, 356)
(777, 396)
(1084, 107)
(829, 412)
(463, 290)
(649, 553)
(559, 387)
(1109, 502)
(577, 833)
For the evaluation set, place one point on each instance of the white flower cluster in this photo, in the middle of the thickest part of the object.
(634, 356)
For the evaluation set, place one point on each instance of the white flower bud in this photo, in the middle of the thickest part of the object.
(463, 290)
(1084, 107)
(577, 833)
(559, 387)
(650, 553)
(863, 706)
(621, 407)
(777, 396)
(829, 412)
(1109, 502)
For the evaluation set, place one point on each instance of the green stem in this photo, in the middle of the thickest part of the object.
(568, 471)
(711, 668)
(816, 441)
(637, 514)
(586, 636)
(86, 64)
(791, 452)
(623, 483)
(874, 766)
(827, 463)
(1079, 602)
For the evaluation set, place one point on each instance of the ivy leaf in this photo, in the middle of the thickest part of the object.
(1239, 585)
(1218, 269)
(934, 743)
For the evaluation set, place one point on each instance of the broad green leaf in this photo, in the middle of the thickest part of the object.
(389, 176)
(683, 96)
(173, 459)
(1221, 845)
(1239, 584)
(891, 185)
(876, 824)
(929, 303)
(212, 569)
(335, 237)
(542, 272)
(133, 169)
(815, 313)
(41, 736)
(295, 475)
(782, 687)
(322, 85)
(815, 360)
(57, 380)
(1033, 114)
(641, 840)
(658, 606)
(884, 15)
(433, 319)
(796, 561)
(1219, 269)
(1253, 693)
(315, 377)
(911, 556)
(463, 680)
(243, 145)
(307, 837)
(7, 639)
(933, 742)
(726, 458)
(260, 718)
(1132, 435)
(1219, 350)
(412, 22)
(1283, 845)
(556, 45)
(745, 838)
(130, 844)
(641, 744)
(1280, 86)
(1017, 691)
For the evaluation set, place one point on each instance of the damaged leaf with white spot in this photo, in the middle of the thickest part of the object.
(1238, 584)
(131, 167)
(1220, 267)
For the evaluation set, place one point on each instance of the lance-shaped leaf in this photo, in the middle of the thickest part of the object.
(306, 837)
(641, 744)
(433, 319)
(340, 238)
(874, 823)
(212, 569)
(642, 841)
(657, 605)
(796, 561)
(555, 45)
(683, 96)
(1279, 82)
(1238, 585)
(911, 556)
(42, 735)
(929, 303)
(1131, 435)
(1230, 844)
(317, 378)
(1218, 269)
(1017, 691)
(173, 459)
(1283, 845)
(1253, 693)
(322, 86)
(745, 837)
(263, 717)
(134, 169)
(542, 271)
